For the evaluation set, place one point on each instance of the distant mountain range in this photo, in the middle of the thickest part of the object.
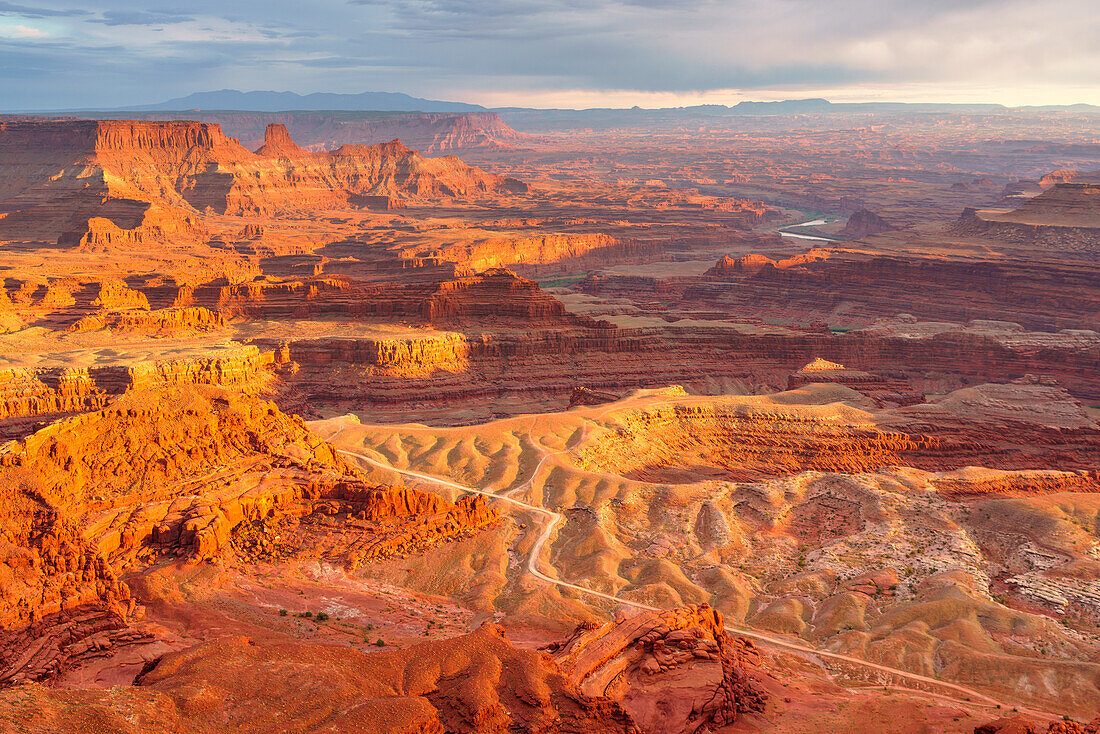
(231, 99)
(225, 100)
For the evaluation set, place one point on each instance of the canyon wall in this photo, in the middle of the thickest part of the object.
(112, 173)
(430, 132)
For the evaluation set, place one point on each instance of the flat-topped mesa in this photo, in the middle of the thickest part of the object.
(745, 438)
(863, 287)
(497, 294)
(1063, 219)
(394, 148)
(754, 263)
(1070, 204)
(39, 391)
(41, 138)
(110, 183)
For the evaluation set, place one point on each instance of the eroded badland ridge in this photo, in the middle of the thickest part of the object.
(309, 430)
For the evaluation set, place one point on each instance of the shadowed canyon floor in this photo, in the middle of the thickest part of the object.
(316, 432)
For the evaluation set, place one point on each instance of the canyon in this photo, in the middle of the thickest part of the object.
(307, 424)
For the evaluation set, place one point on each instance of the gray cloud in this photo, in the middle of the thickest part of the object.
(452, 48)
(29, 12)
(140, 17)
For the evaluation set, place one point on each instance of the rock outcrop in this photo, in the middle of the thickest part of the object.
(124, 181)
(478, 683)
(1018, 724)
(180, 474)
(36, 391)
(1063, 220)
(431, 132)
(625, 661)
(853, 289)
(161, 321)
(863, 224)
(882, 391)
(585, 396)
(55, 589)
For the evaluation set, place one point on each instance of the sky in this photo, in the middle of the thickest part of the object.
(553, 53)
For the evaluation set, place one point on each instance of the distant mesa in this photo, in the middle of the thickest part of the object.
(1065, 175)
(755, 263)
(432, 133)
(865, 223)
(1065, 218)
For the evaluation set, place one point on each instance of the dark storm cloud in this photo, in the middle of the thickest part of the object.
(446, 48)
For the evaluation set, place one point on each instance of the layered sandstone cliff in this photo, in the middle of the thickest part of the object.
(124, 181)
(884, 392)
(1024, 425)
(32, 391)
(430, 132)
(851, 289)
(1064, 219)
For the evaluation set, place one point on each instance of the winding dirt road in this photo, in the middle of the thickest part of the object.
(553, 518)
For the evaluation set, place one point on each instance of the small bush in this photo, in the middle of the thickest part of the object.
(283, 612)
(380, 643)
(320, 617)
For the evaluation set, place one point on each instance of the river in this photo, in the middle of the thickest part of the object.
(813, 223)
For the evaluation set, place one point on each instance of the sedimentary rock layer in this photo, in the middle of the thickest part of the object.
(178, 474)
(429, 132)
(123, 181)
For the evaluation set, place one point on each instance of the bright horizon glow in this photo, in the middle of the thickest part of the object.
(930, 94)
